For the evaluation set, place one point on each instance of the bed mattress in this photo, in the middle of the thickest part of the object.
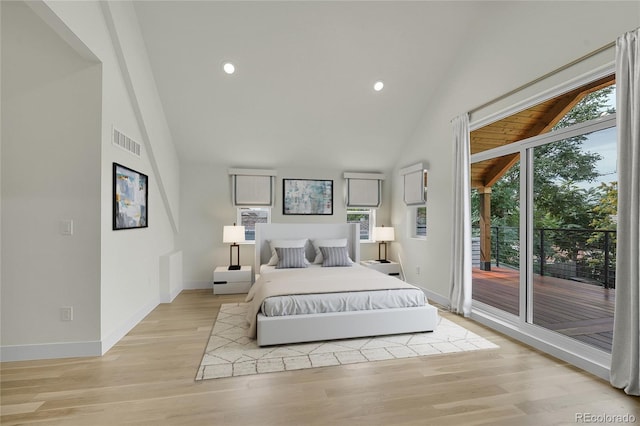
(300, 304)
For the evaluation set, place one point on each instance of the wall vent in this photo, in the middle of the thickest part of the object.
(126, 143)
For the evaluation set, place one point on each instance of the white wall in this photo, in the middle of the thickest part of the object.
(130, 48)
(124, 265)
(527, 40)
(206, 208)
(130, 261)
(51, 103)
(0, 171)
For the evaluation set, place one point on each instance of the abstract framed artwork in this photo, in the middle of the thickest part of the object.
(307, 197)
(130, 198)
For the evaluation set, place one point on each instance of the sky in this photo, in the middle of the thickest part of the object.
(604, 142)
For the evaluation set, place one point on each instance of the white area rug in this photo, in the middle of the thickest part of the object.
(231, 353)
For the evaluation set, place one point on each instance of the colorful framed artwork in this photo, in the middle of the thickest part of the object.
(130, 198)
(307, 196)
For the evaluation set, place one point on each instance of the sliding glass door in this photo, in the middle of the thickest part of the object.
(544, 217)
(573, 256)
(496, 230)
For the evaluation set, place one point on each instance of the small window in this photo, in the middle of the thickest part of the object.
(367, 220)
(249, 216)
(420, 222)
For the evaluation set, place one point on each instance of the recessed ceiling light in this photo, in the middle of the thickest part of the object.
(229, 68)
(378, 85)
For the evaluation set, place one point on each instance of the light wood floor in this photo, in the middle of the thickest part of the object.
(147, 378)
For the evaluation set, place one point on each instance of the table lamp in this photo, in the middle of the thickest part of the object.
(234, 235)
(383, 235)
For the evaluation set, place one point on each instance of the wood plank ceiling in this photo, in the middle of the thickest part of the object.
(531, 122)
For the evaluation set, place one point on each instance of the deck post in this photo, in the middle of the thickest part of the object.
(485, 228)
(606, 259)
(543, 258)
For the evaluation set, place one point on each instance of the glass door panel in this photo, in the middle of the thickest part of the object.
(574, 236)
(496, 232)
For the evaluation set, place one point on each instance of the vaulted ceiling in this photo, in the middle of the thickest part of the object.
(303, 90)
(302, 94)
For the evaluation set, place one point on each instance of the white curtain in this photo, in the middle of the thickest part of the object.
(460, 293)
(625, 353)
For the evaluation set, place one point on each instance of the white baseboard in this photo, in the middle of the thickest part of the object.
(76, 349)
(127, 326)
(435, 297)
(196, 285)
(50, 351)
(168, 298)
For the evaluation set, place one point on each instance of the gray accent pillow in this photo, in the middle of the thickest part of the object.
(335, 256)
(291, 257)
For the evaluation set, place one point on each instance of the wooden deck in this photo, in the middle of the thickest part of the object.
(582, 311)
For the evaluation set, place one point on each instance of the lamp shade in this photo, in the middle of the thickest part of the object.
(382, 233)
(233, 234)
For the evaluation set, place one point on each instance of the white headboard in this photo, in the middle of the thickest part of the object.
(288, 231)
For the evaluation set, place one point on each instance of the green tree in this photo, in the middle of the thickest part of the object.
(604, 218)
(559, 168)
(605, 211)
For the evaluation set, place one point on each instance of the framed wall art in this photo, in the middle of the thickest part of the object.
(130, 198)
(307, 196)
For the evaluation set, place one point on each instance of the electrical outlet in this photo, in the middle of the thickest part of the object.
(66, 227)
(417, 270)
(66, 313)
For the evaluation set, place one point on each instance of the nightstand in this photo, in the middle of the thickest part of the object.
(231, 282)
(391, 268)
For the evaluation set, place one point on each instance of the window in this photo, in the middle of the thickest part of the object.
(367, 220)
(249, 216)
(420, 222)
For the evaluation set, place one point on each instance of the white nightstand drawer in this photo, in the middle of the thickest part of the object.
(391, 268)
(223, 287)
(227, 281)
(222, 273)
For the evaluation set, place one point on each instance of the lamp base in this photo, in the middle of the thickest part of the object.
(383, 261)
(234, 267)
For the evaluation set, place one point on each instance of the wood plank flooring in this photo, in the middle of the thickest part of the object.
(148, 379)
(575, 309)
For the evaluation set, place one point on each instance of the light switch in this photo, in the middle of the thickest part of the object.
(66, 227)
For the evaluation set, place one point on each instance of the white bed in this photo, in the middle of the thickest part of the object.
(369, 317)
(302, 304)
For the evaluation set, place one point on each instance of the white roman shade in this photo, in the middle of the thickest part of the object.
(252, 187)
(364, 189)
(414, 184)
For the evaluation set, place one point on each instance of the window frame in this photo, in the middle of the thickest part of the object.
(372, 219)
(520, 327)
(239, 219)
(414, 223)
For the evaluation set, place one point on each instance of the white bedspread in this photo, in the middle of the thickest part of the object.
(317, 280)
(303, 304)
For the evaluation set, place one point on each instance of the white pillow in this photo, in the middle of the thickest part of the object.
(283, 244)
(337, 242)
